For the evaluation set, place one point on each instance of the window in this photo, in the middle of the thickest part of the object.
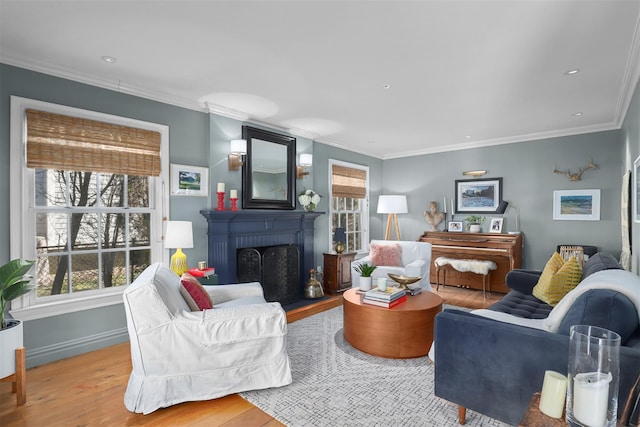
(349, 206)
(89, 188)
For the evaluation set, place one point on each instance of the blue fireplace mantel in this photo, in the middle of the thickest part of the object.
(229, 231)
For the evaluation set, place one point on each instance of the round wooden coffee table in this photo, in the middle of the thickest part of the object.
(401, 332)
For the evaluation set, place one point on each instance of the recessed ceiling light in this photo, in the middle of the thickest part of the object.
(572, 72)
(109, 59)
(468, 136)
(387, 86)
(577, 113)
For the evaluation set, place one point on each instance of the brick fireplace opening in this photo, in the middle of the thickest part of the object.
(230, 231)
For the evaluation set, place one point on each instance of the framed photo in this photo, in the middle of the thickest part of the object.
(478, 195)
(189, 180)
(496, 225)
(576, 205)
(455, 226)
(636, 188)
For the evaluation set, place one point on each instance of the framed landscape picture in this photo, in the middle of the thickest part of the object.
(576, 205)
(478, 195)
(189, 180)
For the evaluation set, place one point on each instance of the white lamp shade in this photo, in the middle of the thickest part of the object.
(392, 204)
(306, 159)
(238, 146)
(179, 235)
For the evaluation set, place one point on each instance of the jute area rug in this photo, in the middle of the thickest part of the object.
(336, 385)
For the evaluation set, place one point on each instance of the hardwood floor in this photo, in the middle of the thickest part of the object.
(88, 390)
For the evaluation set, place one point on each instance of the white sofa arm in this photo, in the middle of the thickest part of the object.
(415, 268)
(223, 293)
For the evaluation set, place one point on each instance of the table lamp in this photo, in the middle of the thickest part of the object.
(179, 235)
(392, 205)
(339, 238)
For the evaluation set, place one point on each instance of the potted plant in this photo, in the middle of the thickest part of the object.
(13, 284)
(365, 270)
(473, 223)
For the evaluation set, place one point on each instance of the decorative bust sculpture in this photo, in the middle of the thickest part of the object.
(434, 217)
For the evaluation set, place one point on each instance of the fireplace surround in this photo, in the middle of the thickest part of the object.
(229, 231)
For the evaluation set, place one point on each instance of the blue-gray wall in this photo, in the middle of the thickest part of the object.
(201, 139)
(528, 182)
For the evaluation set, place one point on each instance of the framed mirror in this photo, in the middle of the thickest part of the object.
(269, 170)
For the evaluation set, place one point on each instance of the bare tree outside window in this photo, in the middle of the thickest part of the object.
(93, 230)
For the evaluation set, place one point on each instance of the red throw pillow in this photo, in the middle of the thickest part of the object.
(194, 293)
(387, 254)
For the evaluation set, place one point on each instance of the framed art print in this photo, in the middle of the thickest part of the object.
(576, 205)
(478, 195)
(496, 225)
(455, 226)
(189, 180)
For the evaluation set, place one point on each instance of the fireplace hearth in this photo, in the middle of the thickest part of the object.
(230, 231)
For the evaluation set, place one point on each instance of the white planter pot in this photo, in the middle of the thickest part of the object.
(365, 283)
(474, 228)
(10, 339)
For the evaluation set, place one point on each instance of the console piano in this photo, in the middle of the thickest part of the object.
(503, 249)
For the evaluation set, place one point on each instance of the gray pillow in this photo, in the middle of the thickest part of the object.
(603, 308)
(599, 262)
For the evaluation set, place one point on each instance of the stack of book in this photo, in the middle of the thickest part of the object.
(389, 298)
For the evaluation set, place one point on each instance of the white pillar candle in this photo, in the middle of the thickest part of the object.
(554, 391)
(452, 209)
(590, 398)
(221, 187)
(444, 204)
(233, 194)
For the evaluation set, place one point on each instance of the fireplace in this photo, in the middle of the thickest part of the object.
(277, 268)
(230, 231)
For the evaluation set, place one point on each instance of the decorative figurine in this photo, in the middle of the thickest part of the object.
(434, 217)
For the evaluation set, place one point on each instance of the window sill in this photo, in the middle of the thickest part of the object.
(43, 310)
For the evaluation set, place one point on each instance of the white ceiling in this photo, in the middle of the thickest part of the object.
(462, 73)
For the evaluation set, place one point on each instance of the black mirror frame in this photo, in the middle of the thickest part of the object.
(248, 202)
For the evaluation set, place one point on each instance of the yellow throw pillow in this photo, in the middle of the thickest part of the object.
(557, 279)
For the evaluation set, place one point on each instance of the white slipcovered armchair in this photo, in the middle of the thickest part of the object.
(414, 259)
(179, 355)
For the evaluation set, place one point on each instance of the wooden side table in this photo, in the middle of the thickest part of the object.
(337, 272)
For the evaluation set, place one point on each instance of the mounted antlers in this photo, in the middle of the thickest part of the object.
(576, 176)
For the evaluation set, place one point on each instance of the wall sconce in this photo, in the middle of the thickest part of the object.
(306, 160)
(475, 174)
(238, 148)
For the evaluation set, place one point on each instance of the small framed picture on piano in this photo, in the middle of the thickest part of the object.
(455, 226)
(496, 225)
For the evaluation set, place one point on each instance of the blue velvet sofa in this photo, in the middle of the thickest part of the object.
(492, 361)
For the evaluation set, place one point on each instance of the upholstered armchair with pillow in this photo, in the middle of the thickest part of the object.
(193, 343)
(406, 258)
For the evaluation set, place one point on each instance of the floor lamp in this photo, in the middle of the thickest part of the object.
(392, 205)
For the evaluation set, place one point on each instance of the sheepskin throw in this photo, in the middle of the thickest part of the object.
(463, 265)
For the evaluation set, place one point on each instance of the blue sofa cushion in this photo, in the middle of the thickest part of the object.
(604, 308)
(522, 305)
(599, 262)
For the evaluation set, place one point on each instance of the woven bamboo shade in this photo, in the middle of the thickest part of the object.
(55, 141)
(348, 182)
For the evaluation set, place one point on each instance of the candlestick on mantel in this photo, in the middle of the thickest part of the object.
(452, 209)
(233, 194)
(221, 187)
(220, 200)
(444, 204)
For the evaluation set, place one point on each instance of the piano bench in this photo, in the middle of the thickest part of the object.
(475, 266)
